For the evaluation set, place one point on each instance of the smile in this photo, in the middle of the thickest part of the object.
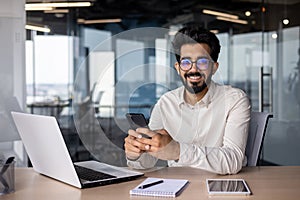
(194, 76)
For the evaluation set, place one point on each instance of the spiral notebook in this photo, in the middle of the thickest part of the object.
(160, 188)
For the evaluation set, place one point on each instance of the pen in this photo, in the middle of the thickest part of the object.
(150, 184)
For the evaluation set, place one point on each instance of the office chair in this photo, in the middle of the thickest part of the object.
(257, 130)
(96, 103)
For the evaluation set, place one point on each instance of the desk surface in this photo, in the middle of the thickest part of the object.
(264, 182)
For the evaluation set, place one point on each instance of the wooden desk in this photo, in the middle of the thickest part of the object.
(265, 183)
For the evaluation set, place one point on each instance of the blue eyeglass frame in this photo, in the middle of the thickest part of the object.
(199, 65)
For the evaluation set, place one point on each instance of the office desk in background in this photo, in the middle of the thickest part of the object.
(52, 108)
(265, 183)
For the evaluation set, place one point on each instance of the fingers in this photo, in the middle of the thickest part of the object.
(131, 151)
(161, 144)
(159, 141)
(132, 144)
(133, 133)
(138, 140)
(136, 143)
(145, 131)
(147, 147)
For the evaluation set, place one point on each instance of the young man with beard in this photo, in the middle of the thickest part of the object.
(201, 124)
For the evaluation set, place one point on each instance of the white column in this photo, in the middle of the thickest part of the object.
(12, 64)
(12, 49)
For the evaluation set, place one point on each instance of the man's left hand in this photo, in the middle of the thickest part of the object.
(161, 145)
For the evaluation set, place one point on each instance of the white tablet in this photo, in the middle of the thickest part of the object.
(227, 187)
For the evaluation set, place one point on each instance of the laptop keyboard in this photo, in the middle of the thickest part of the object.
(91, 175)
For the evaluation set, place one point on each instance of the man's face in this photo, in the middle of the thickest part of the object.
(196, 80)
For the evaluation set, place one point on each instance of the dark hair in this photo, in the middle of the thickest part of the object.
(195, 34)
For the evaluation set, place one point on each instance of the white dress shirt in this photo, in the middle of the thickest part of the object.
(212, 134)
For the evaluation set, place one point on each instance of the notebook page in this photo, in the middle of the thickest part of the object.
(168, 188)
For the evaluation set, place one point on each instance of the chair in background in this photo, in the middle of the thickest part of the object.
(96, 102)
(257, 130)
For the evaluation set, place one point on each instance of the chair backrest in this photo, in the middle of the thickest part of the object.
(257, 130)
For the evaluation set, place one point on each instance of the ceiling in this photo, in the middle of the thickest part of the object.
(163, 13)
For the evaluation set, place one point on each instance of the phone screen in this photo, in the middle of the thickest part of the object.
(227, 186)
(136, 120)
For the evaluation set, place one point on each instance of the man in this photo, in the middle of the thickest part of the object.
(201, 124)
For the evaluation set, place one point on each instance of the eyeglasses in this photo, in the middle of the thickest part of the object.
(201, 63)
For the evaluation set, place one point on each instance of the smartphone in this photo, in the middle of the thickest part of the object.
(137, 120)
(227, 187)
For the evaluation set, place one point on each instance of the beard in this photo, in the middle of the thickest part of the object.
(194, 88)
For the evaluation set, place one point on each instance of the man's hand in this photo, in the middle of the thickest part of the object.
(161, 144)
(133, 147)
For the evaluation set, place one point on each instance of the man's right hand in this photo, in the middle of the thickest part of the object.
(133, 147)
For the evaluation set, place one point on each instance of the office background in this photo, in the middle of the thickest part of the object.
(89, 73)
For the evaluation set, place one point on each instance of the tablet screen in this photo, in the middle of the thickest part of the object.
(227, 186)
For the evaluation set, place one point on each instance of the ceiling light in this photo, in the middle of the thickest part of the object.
(215, 31)
(274, 35)
(30, 6)
(239, 21)
(38, 8)
(37, 28)
(286, 21)
(220, 14)
(248, 13)
(57, 11)
(98, 21)
(80, 21)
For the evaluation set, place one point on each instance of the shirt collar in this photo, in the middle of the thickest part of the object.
(206, 100)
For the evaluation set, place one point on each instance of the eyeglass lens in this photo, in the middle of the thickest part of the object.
(201, 63)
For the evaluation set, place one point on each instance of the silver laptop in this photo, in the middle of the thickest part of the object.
(49, 155)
